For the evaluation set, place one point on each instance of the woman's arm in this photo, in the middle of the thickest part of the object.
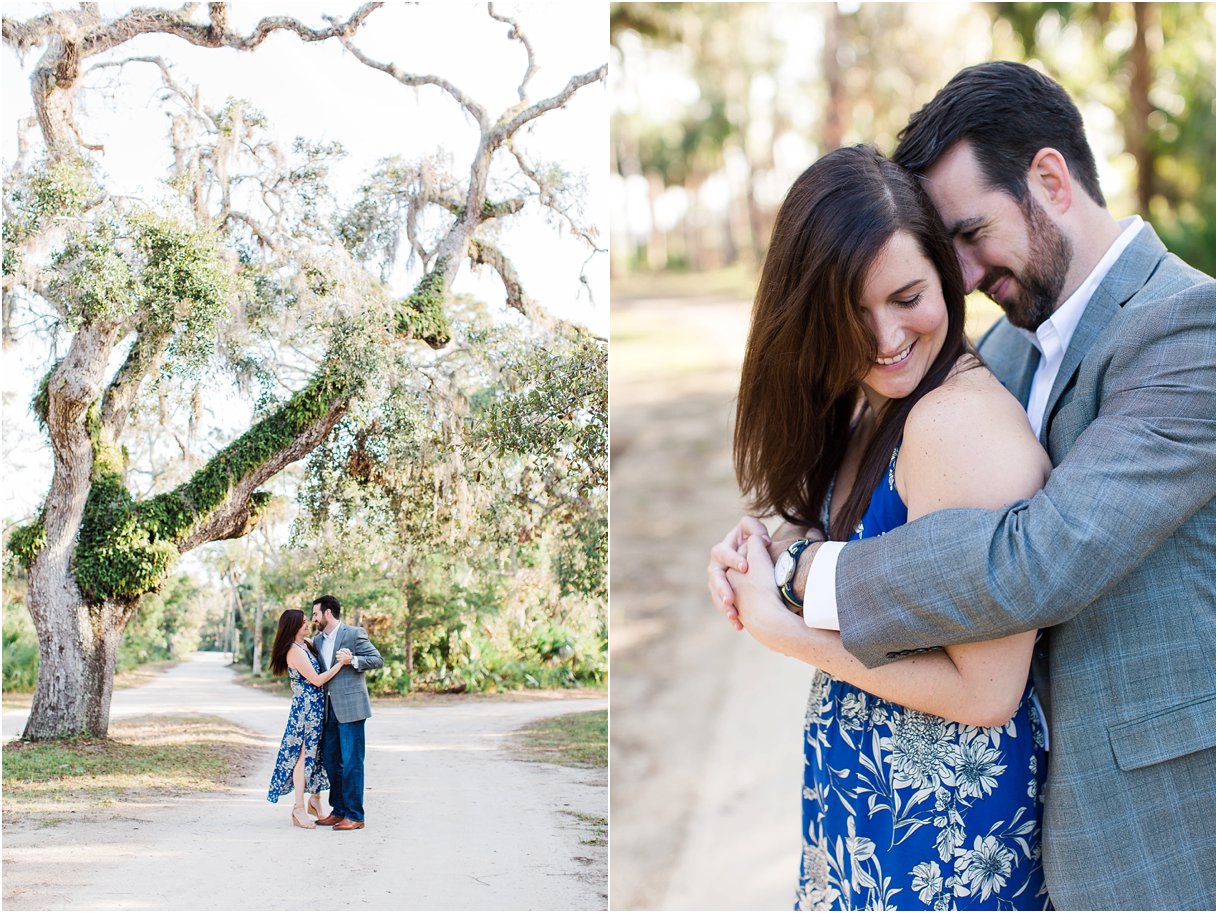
(967, 444)
(931, 682)
(297, 661)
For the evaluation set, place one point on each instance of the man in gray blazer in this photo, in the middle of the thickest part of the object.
(347, 706)
(1109, 343)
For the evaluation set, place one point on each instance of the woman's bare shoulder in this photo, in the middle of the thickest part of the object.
(296, 658)
(970, 392)
(968, 443)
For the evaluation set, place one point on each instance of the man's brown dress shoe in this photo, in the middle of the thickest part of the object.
(329, 820)
(348, 825)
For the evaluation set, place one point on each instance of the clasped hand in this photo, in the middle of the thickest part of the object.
(756, 606)
(732, 553)
(343, 656)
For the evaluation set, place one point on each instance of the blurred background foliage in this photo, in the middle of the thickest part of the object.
(717, 107)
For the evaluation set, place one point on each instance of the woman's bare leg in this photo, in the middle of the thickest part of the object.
(299, 818)
(298, 782)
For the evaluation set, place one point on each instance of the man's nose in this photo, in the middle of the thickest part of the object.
(973, 271)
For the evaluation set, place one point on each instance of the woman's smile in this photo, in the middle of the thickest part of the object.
(898, 358)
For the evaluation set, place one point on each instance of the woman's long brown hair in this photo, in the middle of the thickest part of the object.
(808, 348)
(290, 622)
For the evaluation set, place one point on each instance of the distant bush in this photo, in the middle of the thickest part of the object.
(20, 649)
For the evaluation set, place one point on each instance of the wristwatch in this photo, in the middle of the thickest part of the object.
(784, 573)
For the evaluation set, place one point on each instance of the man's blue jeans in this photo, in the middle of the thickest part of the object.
(342, 754)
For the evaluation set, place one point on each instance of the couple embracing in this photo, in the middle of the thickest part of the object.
(323, 743)
(955, 517)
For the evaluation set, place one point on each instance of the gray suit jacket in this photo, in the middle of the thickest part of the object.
(1115, 558)
(347, 692)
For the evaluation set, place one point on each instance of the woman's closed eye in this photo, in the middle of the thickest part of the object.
(911, 302)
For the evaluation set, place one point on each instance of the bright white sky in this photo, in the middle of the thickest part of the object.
(321, 92)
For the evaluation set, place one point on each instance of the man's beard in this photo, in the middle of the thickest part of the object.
(1039, 289)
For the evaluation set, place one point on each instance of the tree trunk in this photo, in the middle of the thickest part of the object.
(409, 648)
(257, 660)
(77, 648)
(1136, 130)
(833, 121)
(657, 239)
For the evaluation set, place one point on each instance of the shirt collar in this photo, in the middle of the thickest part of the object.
(1054, 335)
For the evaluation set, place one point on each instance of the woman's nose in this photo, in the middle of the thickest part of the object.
(888, 336)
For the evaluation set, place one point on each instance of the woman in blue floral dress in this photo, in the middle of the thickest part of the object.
(862, 406)
(298, 767)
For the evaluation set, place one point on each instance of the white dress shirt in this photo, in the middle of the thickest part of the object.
(327, 645)
(1051, 339)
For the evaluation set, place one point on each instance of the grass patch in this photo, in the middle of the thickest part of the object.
(735, 282)
(147, 757)
(598, 825)
(573, 739)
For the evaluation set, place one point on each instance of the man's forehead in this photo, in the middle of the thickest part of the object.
(954, 186)
(958, 163)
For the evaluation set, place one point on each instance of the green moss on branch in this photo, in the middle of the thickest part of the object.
(421, 316)
(126, 548)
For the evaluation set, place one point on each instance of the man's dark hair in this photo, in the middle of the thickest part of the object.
(329, 602)
(1007, 112)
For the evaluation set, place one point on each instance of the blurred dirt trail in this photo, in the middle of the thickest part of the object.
(455, 820)
(706, 732)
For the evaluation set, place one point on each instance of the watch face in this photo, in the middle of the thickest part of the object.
(783, 569)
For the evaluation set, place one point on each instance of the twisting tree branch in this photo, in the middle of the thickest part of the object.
(414, 80)
(486, 254)
(551, 199)
(167, 80)
(520, 36)
(506, 128)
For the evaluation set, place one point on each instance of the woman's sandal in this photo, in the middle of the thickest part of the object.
(315, 806)
(308, 825)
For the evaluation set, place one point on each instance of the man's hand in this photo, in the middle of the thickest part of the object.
(343, 656)
(729, 553)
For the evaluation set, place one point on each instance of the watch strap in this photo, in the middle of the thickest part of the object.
(795, 550)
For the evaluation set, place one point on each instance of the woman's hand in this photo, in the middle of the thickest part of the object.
(761, 610)
(730, 554)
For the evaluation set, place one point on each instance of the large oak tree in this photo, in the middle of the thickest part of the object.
(155, 288)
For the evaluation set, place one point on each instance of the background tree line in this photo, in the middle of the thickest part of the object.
(718, 107)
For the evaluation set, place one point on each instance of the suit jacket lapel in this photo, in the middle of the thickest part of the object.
(1126, 277)
(1011, 357)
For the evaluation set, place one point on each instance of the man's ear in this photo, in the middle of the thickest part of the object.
(1050, 180)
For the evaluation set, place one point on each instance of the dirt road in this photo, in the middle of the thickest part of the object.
(706, 748)
(455, 821)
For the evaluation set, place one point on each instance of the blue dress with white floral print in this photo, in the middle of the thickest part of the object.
(904, 810)
(303, 732)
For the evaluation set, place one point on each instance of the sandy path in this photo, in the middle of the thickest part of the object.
(706, 748)
(454, 821)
